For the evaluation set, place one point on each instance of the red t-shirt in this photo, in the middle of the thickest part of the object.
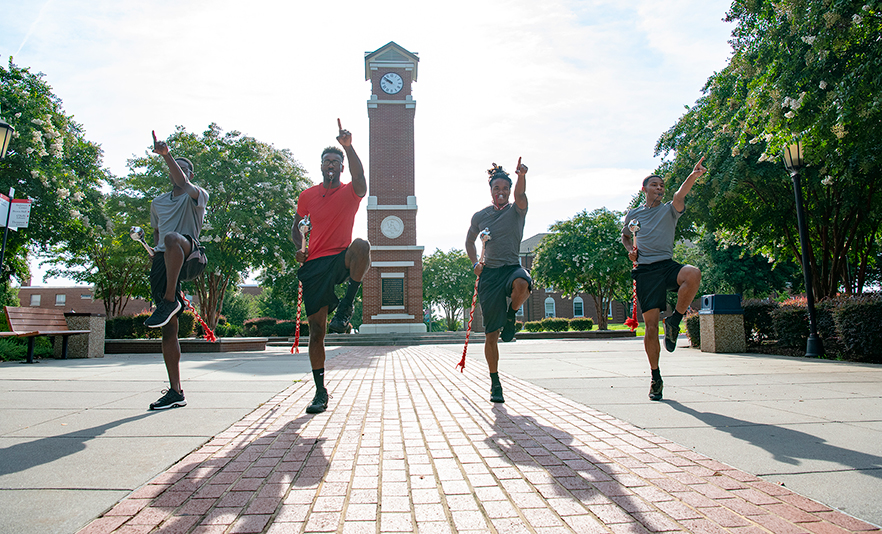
(332, 213)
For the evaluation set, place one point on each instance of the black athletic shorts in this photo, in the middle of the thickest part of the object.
(319, 277)
(654, 280)
(494, 288)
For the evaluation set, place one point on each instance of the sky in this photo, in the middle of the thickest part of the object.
(580, 89)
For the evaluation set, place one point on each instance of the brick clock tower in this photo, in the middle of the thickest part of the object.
(393, 288)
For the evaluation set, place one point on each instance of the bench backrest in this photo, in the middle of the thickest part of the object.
(23, 319)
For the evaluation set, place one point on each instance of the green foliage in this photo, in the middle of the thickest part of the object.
(791, 325)
(758, 324)
(229, 330)
(693, 329)
(16, 348)
(448, 282)
(533, 326)
(260, 326)
(50, 161)
(728, 268)
(859, 324)
(802, 69)
(115, 265)
(555, 324)
(239, 307)
(253, 188)
(581, 324)
(133, 327)
(585, 255)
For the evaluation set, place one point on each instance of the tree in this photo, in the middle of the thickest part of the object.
(448, 282)
(115, 265)
(252, 187)
(730, 268)
(585, 255)
(798, 69)
(49, 161)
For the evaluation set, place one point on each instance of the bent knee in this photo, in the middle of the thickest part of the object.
(360, 246)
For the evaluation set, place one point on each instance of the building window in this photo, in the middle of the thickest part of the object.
(549, 307)
(60, 299)
(578, 307)
(520, 312)
(35, 300)
(549, 289)
(86, 296)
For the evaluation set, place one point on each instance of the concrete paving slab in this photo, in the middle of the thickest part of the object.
(48, 511)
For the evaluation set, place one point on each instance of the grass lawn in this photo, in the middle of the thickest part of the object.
(639, 331)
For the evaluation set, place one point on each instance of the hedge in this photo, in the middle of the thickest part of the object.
(133, 327)
(758, 324)
(693, 329)
(581, 324)
(859, 325)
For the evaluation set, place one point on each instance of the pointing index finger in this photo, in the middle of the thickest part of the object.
(701, 160)
(519, 163)
(154, 136)
(340, 126)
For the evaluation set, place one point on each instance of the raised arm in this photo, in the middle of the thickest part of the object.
(356, 170)
(177, 175)
(679, 201)
(520, 190)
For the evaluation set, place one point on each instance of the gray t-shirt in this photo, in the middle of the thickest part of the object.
(655, 239)
(181, 214)
(506, 233)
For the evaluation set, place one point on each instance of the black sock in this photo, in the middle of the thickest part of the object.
(319, 376)
(351, 291)
(494, 379)
(511, 313)
(676, 317)
(656, 374)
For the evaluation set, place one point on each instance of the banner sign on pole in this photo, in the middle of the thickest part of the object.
(19, 212)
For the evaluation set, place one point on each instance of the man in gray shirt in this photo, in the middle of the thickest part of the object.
(657, 272)
(501, 274)
(176, 218)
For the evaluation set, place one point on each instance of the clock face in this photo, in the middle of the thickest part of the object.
(392, 227)
(391, 83)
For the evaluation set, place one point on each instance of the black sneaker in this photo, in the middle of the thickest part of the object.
(341, 318)
(496, 394)
(163, 313)
(655, 390)
(170, 399)
(508, 331)
(671, 333)
(319, 402)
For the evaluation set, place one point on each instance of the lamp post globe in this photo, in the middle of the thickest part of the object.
(6, 131)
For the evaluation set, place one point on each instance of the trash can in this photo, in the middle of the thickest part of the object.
(89, 345)
(721, 318)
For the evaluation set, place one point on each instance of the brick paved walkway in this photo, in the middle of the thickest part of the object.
(410, 445)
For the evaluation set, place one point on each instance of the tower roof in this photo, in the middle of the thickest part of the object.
(390, 54)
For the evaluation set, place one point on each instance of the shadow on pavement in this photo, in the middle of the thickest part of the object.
(562, 467)
(786, 445)
(24, 456)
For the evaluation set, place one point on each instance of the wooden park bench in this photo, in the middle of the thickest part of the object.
(33, 322)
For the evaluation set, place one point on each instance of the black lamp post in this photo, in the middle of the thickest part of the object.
(6, 131)
(794, 162)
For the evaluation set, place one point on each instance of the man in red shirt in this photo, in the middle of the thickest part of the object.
(333, 256)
